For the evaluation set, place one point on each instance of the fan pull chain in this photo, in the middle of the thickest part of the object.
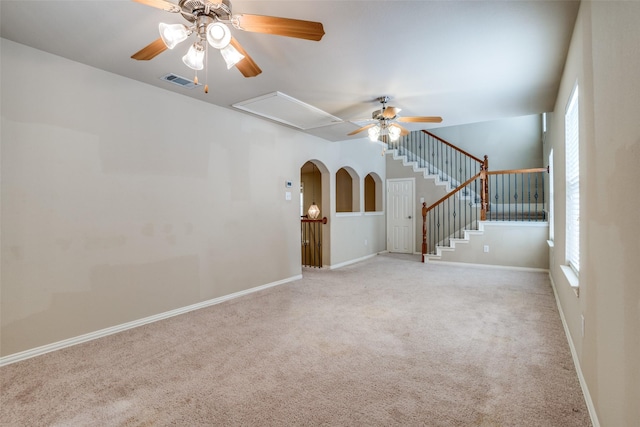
(206, 68)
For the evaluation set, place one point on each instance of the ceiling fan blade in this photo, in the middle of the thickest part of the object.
(420, 119)
(361, 129)
(150, 51)
(160, 4)
(390, 112)
(247, 66)
(307, 30)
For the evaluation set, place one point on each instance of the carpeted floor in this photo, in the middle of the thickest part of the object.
(388, 341)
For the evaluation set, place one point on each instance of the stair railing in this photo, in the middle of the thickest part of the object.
(311, 244)
(438, 157)
(515, 195)
(508, 195)
(450, 216)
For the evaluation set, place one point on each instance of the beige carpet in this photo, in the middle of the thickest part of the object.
(388, 341)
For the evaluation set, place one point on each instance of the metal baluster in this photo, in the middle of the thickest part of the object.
(448, 236)
(509, 198)
(459, 213)
(466, 189)
(438, 231)
(503, 197)
(515, 196)
(447, 164)
(535, 196)
(529, 193)
(543, 199)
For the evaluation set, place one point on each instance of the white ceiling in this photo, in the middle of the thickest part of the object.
(467, 61)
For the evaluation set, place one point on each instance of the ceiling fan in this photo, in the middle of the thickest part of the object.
(386, 122)
(209, 20)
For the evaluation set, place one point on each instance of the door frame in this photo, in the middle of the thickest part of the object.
(412, 247)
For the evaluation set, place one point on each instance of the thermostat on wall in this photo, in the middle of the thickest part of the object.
(288, 184)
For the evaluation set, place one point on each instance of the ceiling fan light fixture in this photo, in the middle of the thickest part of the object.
(218, 35)
(394, 133)
(231, 56)
(172, 34)
(374, 133)
(194, 58)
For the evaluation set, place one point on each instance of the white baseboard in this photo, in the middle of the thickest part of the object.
(27, 354)
(501, 267)
(583, 384)
(353, 261)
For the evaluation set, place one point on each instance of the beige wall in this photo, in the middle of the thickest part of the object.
(115, 207)
(516, 244)
(604, 59)
(425, 189)
(510, 143)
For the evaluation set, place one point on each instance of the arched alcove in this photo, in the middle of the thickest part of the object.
(347, 190)
(373, 193)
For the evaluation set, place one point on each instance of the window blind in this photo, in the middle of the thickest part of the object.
(572, 138)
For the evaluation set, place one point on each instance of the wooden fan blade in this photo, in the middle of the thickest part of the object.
(307, 30)
(247, 66)
(150, 51)
(390, 112)
(361, 129)
(160, 4)
(420, 119)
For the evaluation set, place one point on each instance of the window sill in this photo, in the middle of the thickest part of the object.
(572, 278)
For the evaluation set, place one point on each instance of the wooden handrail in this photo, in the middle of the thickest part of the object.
(512, 171)
(323, 220)
(453, 146)
(446, 196)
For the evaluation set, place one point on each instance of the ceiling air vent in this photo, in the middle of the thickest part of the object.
(180, 81)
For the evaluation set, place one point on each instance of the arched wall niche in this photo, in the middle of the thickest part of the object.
(347, 190)
(373, 193)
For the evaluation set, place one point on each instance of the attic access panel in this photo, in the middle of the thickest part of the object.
(285, 109)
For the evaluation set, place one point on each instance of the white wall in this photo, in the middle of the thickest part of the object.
(604, 59)
(121, 200)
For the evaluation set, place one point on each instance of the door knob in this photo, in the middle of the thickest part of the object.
(409, 216)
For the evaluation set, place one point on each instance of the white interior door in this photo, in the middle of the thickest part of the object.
(400, 211)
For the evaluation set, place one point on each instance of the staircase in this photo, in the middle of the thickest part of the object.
(474, 195)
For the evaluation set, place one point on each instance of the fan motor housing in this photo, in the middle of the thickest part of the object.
(377, 115)
(191, 9)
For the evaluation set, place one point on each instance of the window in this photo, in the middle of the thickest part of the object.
(572, 139)
(551, 196)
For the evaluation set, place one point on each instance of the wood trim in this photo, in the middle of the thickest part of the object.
(323, 220)
(453, 146)
(513, 171)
